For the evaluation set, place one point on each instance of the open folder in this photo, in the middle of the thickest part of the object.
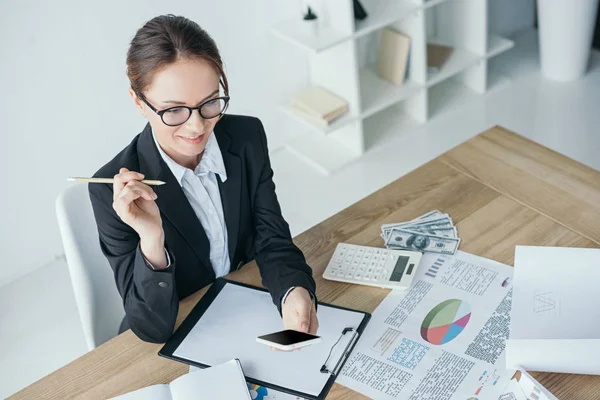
(226, 322)
(555, 317)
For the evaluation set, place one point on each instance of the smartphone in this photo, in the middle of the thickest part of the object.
(288, 339)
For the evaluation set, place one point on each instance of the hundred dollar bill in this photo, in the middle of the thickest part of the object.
(433, 217)
(404, 239)
(443, 232)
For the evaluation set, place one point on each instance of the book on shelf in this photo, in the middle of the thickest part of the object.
(393, 56)
(319, 105)
(437, 55)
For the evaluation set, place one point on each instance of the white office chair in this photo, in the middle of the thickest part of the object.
(99, 303)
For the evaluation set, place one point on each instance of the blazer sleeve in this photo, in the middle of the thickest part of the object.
(149, 296)
(282, 264)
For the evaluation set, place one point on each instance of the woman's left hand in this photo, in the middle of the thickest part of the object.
(299, 312)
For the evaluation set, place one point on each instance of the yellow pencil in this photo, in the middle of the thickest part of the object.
(111, 180)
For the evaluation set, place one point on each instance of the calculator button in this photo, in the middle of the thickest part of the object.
(369, 251)
(369, 270)
(363, 263)
(355, 262)
(340, 273)
(368, 276)
(349, 274)
(376, 277)
(385, 253)
(361, 269)
(358, 275)
(377, 251)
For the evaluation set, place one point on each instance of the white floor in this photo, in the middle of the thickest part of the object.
(39, 326)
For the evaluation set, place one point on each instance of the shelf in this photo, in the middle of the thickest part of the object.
(381, 13)
(338, 123)
(377, 94)
(447, 96)
(325, 154)
(295, 31)
(387, 126)
(497, 45)
(459, 60)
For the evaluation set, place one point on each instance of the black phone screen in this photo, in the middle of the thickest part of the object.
(288, 337)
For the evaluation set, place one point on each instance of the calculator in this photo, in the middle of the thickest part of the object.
(373, 266)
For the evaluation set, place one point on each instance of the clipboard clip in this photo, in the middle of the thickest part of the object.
(345, 354)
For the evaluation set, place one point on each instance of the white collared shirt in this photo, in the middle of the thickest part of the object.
(202, 191)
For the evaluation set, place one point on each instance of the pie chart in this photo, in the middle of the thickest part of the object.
(445, 321)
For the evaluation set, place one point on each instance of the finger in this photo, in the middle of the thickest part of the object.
(303, 322)
(314, 321)
(121, 179)
(145, 190)
(126, 197)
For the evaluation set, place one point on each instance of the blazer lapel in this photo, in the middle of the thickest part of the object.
(171, 200)
(230, 190)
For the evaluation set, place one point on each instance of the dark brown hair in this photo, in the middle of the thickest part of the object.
(162, 41)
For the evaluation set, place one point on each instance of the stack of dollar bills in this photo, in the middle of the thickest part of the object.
(433, 232)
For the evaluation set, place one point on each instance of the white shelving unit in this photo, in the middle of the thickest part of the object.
(342, 57)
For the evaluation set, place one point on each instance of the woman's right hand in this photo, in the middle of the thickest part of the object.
(134, 203)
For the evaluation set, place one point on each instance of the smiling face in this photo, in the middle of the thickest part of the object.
(187, 82)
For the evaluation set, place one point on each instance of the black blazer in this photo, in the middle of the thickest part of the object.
(255, 227)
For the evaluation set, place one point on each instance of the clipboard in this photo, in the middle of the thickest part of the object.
(221, 324)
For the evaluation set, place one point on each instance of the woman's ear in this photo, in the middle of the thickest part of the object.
(137, 102)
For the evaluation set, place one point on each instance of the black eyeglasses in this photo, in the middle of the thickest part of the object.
(178, 115)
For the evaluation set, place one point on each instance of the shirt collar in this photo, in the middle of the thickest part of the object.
(211, 161)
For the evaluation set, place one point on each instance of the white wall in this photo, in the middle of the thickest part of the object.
(64, 105)
(507, 17)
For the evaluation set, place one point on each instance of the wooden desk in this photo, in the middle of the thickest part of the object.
(501, 190)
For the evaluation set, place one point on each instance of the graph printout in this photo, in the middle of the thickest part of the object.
(443, 339)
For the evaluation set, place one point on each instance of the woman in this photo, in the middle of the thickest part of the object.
(218, 208)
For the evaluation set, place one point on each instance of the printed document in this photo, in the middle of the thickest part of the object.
(443, 339)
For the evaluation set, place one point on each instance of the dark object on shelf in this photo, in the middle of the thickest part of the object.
(309, 16)
(359, 11)
(437, 55)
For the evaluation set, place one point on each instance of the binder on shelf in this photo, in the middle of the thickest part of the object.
(226, 321)
(393, 56)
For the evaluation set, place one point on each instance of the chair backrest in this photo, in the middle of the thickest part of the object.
(99, 303)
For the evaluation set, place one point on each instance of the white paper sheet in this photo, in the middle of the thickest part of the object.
(555, 319)
(401, 354)
(228, 329)
(524, 387)
(225, 381)
(258, 392)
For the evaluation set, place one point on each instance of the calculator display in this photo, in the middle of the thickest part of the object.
(399, 268)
